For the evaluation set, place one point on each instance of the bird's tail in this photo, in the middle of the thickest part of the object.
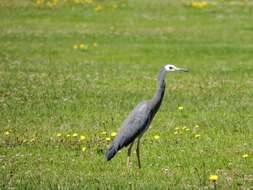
(110, 153)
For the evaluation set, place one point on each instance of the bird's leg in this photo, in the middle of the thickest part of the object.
(138, 153)
(129, 155)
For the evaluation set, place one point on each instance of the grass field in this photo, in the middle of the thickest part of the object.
(71, 72)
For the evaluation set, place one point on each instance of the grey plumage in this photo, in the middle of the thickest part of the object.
(132, 127)
(139, 119)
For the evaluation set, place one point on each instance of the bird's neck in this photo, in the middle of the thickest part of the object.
(158, 97)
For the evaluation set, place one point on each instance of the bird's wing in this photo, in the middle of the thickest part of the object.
(134, 125)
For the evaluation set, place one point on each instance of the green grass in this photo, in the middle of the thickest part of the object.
(47, 87)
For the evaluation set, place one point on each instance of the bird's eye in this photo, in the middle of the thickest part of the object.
(170, 67)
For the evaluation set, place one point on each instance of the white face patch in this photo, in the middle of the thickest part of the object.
(170, 67)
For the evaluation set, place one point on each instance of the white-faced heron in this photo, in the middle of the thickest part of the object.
(139, 119)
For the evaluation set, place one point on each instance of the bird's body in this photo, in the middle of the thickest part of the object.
(138, 120)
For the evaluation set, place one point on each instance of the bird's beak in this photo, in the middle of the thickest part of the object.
(182, 69)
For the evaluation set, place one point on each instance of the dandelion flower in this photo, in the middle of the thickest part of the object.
(82, 137)
(180, 107)
(95, 45)
(114, 6)
(58, 134)
(77, 1)
(197, 136)
(83, 46)
(7, 133)
(201, 4)
(156, 137)
(55, 2)
(89, 1)
(98, 8)
(107, 138)
(40, 3)
(213, 178)
(113, 134)
(245, 156)
(74, 135)
(83, 149)
(75, 46)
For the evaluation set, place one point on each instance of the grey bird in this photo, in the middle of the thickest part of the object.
(139, 119)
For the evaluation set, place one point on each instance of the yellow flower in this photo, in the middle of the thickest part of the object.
(245, 156)
(83, 46)
(197, 136)
(77, 1)
(95, 45)
(98, 8)
(113, 134)
(40, 3)
(103, 133)
(156, 137)
(201, 4)
(89, 1)
(55, 2)
(7, 133)
(180, 107)
(107, 138)
(213, 178)
(84, 149)
(114, 6)
(68, 135)
(75, 46)
(58, 134)
(74, 135)
(82, 137)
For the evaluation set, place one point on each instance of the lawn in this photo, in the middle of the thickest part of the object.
(71, 71)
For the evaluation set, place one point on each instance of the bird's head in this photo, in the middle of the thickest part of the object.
(170, 68)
